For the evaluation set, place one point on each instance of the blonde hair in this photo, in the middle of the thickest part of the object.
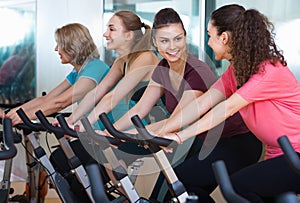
(75, 40)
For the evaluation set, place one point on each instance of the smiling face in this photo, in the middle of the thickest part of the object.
(218, 43)
(170, 42)
(116, 36)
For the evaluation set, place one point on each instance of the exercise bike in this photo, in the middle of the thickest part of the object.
(294, 161)
(229, 193)
(144, 138)
(74, 162)
(104, 145)
(31, 133)
(224, 182)
(7, 153)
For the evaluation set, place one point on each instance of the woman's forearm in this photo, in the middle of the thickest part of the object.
(83, 108)
(157, 127)
(125, 121)
(94, 114)
(215, 116)
(210, 120)
(193, 111)
(87, 103)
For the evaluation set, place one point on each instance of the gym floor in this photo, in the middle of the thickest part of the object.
(52, 196)
(143, 189)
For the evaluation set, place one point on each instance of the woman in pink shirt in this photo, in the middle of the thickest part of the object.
(261, 87)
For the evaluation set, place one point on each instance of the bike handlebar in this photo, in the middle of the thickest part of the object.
(135, 138)
(158, 141)
(64, 125)
(223, 180)
(99, 138)
(10, 149)
(114, 132)
(47, 124)
(289, 153)
(30, 125)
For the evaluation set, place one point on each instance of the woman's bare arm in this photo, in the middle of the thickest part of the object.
(193, 110)
(187, 97)
(95, 95)
(215, 116)
(57, 99)
(151, 95)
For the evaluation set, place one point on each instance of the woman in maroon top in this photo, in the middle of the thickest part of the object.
(183, 78)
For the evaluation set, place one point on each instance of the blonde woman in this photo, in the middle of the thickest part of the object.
(75, 46)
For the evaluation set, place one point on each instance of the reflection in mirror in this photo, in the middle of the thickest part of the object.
(17, 51)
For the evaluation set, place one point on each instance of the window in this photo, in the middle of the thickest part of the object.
(17, 52)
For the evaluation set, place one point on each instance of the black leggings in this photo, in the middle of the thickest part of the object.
(264, 181)
(197, 175)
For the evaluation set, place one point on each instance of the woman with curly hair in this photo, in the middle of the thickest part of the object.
(257, 84)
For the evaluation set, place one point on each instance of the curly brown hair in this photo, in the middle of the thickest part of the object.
(252, 39)
(253, 43)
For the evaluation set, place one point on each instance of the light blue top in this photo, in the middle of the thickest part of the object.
(94, 69)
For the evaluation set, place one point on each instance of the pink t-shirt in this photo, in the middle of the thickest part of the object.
(274, 109)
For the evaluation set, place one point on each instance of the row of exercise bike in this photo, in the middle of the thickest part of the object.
(41, 172)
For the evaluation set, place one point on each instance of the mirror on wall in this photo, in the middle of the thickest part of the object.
(17, 51)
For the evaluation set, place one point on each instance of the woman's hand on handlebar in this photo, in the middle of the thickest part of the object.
(15, 119)
(171, 136)
(55, 122)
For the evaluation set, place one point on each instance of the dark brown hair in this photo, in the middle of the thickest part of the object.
(164, 18)
(252, 39)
